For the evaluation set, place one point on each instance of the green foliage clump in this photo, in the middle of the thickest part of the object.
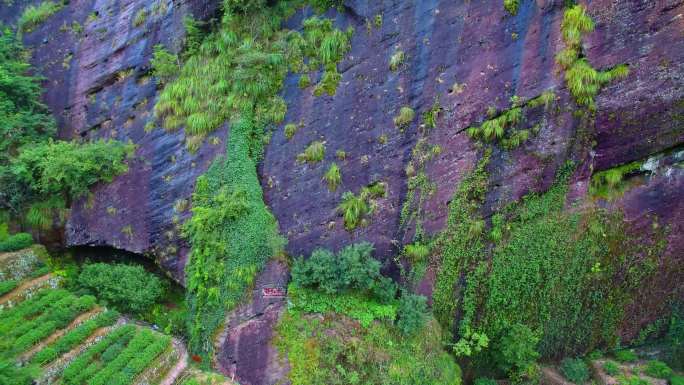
(128, 287)
(517, 350)
(658, 369)
(34, 15)
(458, 248)
(165, 65)
(333, 177)
(140, 17)
(417, 251)
(607, 184)
(314, 153)
(412, 313)
(16, 242)
(626, 355)
(430, 116)
(632, 380)
(355, 208)
(7, 286)
(396, 60)
(232, 234)
(353, 268)
(611, 368)
(320, 353)
(23, 118)
(677, 380)
(237, 71)
(505, 128)
(405, 117)
(512, 6)
(583, 81)
(575, 370)
(290, 130)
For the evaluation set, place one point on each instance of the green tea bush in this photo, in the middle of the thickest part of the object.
(74, 337)
(135, 348)
(611, 368)
(14, 318)
(575, 370)
(16, 242)
(658, 369)
(81, 368)
(7, 286)
(129, 288)
(484, 381)
(626, 356)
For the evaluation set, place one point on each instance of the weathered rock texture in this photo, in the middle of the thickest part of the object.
(469, 55)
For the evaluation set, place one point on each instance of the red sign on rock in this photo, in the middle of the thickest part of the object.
(273, 292)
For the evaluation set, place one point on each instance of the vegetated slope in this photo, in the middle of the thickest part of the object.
(51, 335)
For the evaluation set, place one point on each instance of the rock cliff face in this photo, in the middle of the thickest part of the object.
(467, 56)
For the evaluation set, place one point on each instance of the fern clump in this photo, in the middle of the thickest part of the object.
(333, 177)
(396, 60)
(354, 208)
(34, 15)
(240, 69)
(314, 153)
(506, 128)
(290, 130)
(405, 117)
(512, 6)
(583, 81)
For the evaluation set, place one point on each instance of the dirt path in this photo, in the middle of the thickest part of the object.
(23, 287)
(180, 366)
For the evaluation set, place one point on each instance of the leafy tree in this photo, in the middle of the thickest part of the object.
(23, 118)
(129, 288)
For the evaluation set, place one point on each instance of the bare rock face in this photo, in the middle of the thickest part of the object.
(245, 349)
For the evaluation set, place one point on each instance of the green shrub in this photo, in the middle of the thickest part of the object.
(290, 130)
(484, 381)
(575, 370)
(16, 242)
(417, 252)
(314, 153)
(396, 60)
(632, 380)
(140, 17)
(512, 6)
(517, 349)
(129, 288)
(34, 15)
(405, 117)
(611, 368)
(353, 268)
(164, 64)
(677, 380)
(658, 369)
(7, 286)
(626, 356)
(74, 337)
(412, 313)
(333, 177)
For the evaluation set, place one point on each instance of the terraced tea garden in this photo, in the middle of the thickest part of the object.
(51, 335)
